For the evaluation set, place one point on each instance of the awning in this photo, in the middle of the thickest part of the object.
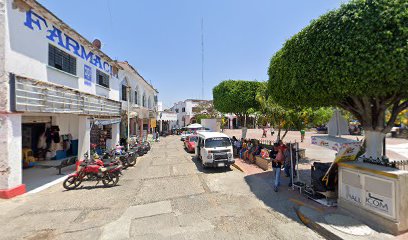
(106, 121)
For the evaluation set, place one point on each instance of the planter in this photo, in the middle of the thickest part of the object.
(263, 163)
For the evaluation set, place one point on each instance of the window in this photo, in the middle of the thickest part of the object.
(124, 92)
(144, 100)
(102, 78)
(177, 110)
(61, 60)
(183, 109)
(217, 142)
(136, 97)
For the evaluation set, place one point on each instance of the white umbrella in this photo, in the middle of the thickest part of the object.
(194, 126)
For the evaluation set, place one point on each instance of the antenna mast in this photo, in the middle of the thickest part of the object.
(202, 58)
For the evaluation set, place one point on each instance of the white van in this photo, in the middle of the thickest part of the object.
(214, 149)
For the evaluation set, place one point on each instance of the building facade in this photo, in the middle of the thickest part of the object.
(139, 99)
(59, 93)
(185, 111)
(165, 118)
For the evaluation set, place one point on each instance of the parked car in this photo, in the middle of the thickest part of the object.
(214, 149)
(189, 143)
(184, 135)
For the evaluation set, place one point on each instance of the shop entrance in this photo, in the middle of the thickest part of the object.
(44, 148)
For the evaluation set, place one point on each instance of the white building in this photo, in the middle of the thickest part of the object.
(58, 92)
(142, 98)
(165, 118)
(185, 112)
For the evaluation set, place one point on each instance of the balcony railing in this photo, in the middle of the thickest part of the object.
(43, 97)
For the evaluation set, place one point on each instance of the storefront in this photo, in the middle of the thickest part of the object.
(57, 125)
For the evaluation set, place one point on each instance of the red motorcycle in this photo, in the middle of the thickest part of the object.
(93, 170)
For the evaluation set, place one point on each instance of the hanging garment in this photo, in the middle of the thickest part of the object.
(42, 141)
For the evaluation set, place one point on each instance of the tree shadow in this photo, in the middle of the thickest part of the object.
(286, 199)
(208, 170)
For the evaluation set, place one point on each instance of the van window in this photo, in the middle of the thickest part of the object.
(217, 142)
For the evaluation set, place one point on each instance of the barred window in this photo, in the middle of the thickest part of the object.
(61, 60)
(124, 93)
(102, 78)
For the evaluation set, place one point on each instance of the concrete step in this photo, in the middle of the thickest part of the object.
(336, 225)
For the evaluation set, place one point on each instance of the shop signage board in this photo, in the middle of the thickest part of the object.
(35, 22)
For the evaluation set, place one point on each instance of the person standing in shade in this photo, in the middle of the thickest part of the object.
(302, 135)
(272, 131)
(276, 156)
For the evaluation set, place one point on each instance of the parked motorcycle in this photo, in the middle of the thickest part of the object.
(93, 170)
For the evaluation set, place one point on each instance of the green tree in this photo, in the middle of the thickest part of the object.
(355, 58)
(321, 116)
(236, 96)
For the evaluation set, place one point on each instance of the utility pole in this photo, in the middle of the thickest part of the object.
(202, 58)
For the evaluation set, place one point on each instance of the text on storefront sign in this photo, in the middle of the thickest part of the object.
(33, 20)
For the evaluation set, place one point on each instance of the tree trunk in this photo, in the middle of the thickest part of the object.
(374, 144)
(278, 136)
(245, 116)
(284, 134)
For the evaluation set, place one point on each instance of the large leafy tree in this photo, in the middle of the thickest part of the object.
(236, 96)
(356, 58)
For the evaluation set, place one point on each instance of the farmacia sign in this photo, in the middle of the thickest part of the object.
(36, 22)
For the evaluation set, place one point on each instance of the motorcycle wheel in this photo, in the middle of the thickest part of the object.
(110, 180)
(131, 160)
(71, 183)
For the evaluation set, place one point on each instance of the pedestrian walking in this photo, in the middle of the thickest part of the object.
(302, 135)
(264, 132)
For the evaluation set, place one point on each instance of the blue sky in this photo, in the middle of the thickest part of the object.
(162, 38)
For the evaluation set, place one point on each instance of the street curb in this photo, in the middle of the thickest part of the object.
(315, 226)
(237, 167)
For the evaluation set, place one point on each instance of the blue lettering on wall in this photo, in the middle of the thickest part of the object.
(56, 35)
(29, 20)
(71, 43)
(88, 57)
(97, 61)
(87, 75)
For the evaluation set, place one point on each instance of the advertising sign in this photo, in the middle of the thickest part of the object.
(87, 75)
(352, 194)
(379, 203)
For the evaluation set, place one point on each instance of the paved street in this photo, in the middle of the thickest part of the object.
(167, 195)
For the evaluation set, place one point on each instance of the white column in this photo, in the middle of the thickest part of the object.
(10, 151)
(84, 136)
(111, 143)
(161, 126)
(231, 123)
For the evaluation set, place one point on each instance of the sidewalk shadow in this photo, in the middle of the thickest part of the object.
(285, 200)
(208, 170)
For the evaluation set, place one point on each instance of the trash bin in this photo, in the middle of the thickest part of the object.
(393, 133)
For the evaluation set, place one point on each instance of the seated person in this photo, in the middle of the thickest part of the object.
(248, 151)
(256, 151)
